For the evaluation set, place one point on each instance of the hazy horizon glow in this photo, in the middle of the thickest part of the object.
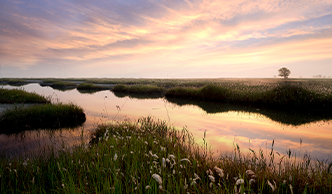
(168, 39)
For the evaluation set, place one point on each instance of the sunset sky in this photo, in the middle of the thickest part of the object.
(165, 38)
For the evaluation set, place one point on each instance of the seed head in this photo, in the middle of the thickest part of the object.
(157, 178)
(219, 171)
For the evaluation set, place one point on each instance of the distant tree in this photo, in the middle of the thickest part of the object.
(284, 72)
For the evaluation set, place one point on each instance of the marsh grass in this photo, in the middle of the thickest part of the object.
(14, 81)
(143, 89)
(149, 156)
(285, 96)
(50, 116)
(20, 96)
(89, 86)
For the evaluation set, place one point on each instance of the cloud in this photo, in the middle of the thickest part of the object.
(167, 32)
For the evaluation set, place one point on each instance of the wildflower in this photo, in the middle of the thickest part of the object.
(219, 171)
(147, 187)
(115, 157)
(272, 187)
(171, 156)
(211, 184)
(185, 159)
(239, 181)
(251, 181)
(63, 185)
(162, 148)
(33, 180)
(157, 178)
(211, 178)
(291, 188)
(163, 162)
(290, 178)
(249, 173)
(196, 177)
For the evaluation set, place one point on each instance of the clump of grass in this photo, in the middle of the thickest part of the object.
(41, 116)
(151, 157)
(283, 96)
(62, 84)
(20, 96)
(50, 80)
(14, 81)
(144, 89)
(88, 86)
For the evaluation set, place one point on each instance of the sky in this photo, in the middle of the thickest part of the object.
(165, 38)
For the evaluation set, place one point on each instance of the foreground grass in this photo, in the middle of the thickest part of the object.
(143, 89)
(41, 116)
(20, 96)
(151, 157)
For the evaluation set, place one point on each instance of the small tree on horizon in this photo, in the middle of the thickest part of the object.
(284, 72)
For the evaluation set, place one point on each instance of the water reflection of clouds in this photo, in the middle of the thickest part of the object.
(223, 130)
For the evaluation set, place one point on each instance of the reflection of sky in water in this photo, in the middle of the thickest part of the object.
(222, 129)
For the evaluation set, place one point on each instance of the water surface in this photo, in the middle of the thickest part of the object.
(224, 125)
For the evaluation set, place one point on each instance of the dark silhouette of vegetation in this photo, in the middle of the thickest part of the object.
(46, 116)
(284, 72)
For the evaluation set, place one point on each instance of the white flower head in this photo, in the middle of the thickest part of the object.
(185, 159)
(272, 187)
(239, 181)
(219, 171)
(212, 178)
(163, 162)
(157, 178)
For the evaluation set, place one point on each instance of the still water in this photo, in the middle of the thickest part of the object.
(224, 125)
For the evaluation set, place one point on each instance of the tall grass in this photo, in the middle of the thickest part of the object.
(151, 157)
(144, 89)
(63, 84)
(88, 86)
(20, 96)
(286, 96)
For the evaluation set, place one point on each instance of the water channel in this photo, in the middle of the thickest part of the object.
(224, 125)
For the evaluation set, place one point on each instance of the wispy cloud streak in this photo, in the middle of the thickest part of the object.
(164, 34)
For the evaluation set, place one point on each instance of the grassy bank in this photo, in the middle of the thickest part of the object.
(285, 96)
(62, 84)
(14, 81)
(151, 157)
(143, 89)
(41, 116)
(20, 96)
(89, 86)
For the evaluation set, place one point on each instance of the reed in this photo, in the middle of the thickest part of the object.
(143, 89)
(149, 156)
